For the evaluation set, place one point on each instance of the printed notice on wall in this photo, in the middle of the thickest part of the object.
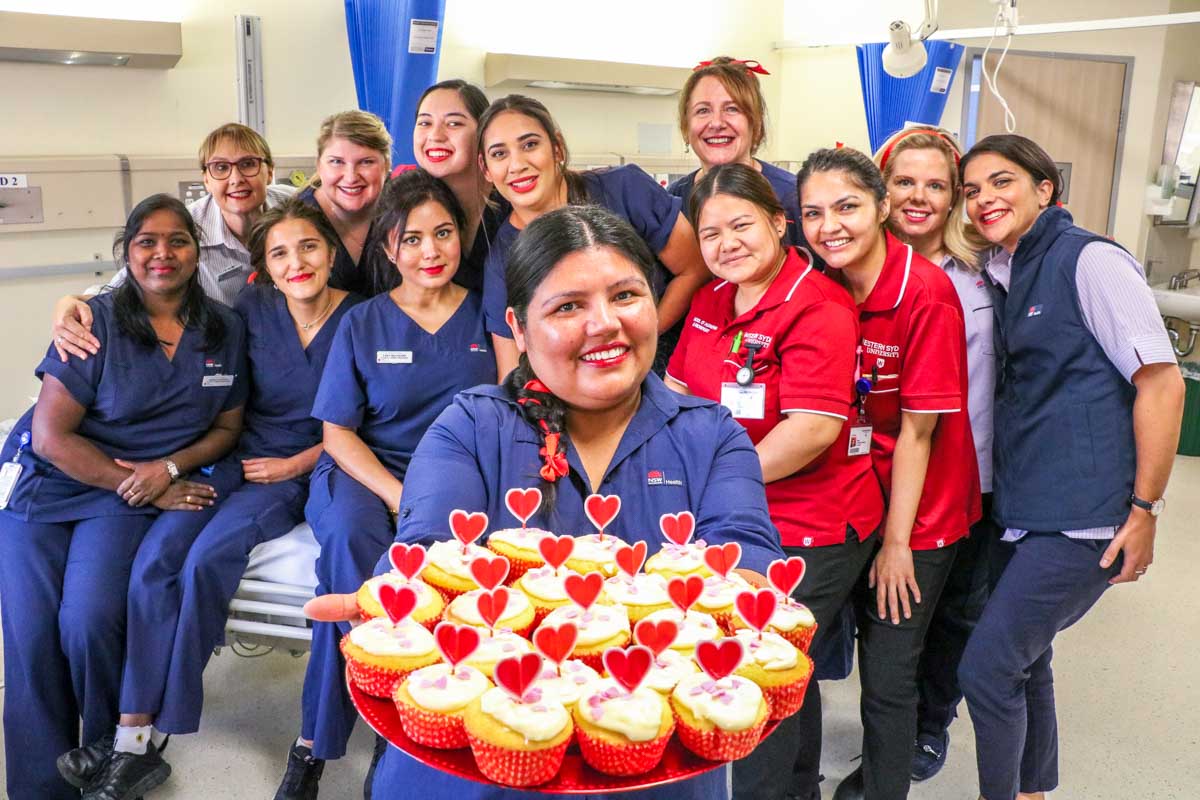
(11, 180)
(422, 36)
(941, 80)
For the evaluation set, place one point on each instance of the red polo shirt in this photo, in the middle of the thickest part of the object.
(913, 339)
(808, 328)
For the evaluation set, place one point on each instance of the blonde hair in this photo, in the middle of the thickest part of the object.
(961, 240)
(742, 86)
(238, 135)
(361, 127)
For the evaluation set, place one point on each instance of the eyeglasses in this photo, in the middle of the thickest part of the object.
(247, 167)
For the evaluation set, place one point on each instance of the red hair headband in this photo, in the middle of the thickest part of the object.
(556, 461)
(750, 64)
(883, 159)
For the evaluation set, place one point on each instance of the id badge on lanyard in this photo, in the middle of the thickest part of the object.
(860, 433)
(10, 472)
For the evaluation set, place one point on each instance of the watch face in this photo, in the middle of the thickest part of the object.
(1157, 507)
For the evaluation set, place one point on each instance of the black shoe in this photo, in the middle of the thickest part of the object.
(300, 781)
(851, 787)
(127, 776)
(929, 755)
(79, 766)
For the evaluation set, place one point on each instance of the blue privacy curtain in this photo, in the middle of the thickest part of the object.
(891, 102)
(394, 49)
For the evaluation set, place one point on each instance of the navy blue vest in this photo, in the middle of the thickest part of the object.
(1064, 449)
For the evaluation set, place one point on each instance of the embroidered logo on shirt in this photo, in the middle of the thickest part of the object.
(881, 349)
(807, 541)
(1034, 311)
(940, 543)
(477, 348)
(761, 339)
(212, 363)
(655, 477)
(703, 326)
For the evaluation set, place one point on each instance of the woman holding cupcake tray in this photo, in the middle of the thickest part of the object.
(582, 312)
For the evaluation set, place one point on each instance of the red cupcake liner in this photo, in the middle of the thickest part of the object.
(448, 594)
(593, 660)
(786, 699)
(517, 566)
(621, 759)
(799, 637)
(517, 767)
(724, 620)
(441, 731)
(719, 745)
(374, 680)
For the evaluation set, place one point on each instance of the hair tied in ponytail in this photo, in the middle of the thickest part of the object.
(556, 461)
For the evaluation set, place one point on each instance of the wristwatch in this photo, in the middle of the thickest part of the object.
(172, 469)
(1153, 508)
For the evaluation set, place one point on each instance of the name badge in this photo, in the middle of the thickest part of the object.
(745, 402)
(219, 381)
(8, 480)
(393, 356)
(860, 441)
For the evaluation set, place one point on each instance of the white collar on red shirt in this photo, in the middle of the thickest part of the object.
(717, 286)
(880, 297)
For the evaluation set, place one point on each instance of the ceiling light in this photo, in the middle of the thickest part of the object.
(905, 54)
(579, 86)
(71, 57)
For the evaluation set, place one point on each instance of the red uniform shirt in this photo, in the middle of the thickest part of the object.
(807, 326)
(914, 341)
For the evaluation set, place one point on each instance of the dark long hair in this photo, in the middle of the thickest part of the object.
(399, 197)
(735, 180)
(538, 250)
(471, 95)
(129, 307)
(856, 166)
(292, 208)
(577, 193)
(1025, 153)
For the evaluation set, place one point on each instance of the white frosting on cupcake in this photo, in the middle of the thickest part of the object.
(539, 719)
(465, 608)
(495, 647)
(448, 556)
(640, 590)
(731, 703)
(719, 593)
(590, 547)
(669, 669)
(771, 652)
(791, 615)
(523, 538)
(441, 688)
(695, 627)
(597, 624)
(636, 716)
(568, 682)
(543, 583)
(424, 591)
(679, 559)
(381, 638)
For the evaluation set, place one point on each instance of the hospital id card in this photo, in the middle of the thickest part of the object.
(745, 402)
(393, 356)
(860, 441)
(218, 381)
(9, 473)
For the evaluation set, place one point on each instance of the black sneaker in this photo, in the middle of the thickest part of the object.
(127, 776)
(929, 755)
(300, 781)
(79, 766)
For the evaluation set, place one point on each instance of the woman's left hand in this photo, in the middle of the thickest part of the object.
(149, 480)
(332, 608)
(269, 470)
(893, 577)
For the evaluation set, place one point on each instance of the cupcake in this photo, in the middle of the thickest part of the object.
(694, 627)
(675, 560)
(520, 547)
(516, 617)
(567, 681)
(518, 734)
(429, 606)
(720, 720)
(600, 627)
(448, 568)
(495, 646)
(622, 732)
(668, 669)
(543, 587)
(780, 670)
(793, 621)
(719, 596)
(431, 702)
(380, 654)
(595, 552)
(641, 594)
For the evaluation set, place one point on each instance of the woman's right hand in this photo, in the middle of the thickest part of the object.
(72, 329)
(186, 496)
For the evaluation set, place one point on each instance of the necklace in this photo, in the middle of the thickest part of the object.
(306, 325)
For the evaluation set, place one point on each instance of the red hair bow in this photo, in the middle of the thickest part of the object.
(750, 64)
(556, 461)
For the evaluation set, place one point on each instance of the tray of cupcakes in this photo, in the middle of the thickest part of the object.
(558, 664)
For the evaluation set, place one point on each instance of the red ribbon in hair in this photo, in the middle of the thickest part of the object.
(750, 64)
(556, 461)
(883, 159)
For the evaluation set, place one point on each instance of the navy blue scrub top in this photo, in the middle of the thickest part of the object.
(628, 192)
(140, 406)
(370, 275)
(389, 378)
(470, 271)
(678, 453)
(283, 374)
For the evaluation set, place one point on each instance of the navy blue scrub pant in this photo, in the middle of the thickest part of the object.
(1047, 582)
(253, 514)
(354, 530)
(155, 593)
(62, 590)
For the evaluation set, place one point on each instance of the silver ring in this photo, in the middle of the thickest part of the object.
(188, 498)
(59, 339)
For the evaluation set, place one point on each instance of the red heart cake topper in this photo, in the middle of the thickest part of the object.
(719, 658)
(602, 510)
(407, 559)
(489, 572)
(684, 592)
(397, 601)
(456, 642)
(583, 589)
(678, 528)
(556, 642)
(658, 636)
(630, 557)
(785, 575)
(516, 674)
(523, 503)
(491, 605)
(628, 667)
(722, 558)
(756, 607)
(556, 550)
(467, 527)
